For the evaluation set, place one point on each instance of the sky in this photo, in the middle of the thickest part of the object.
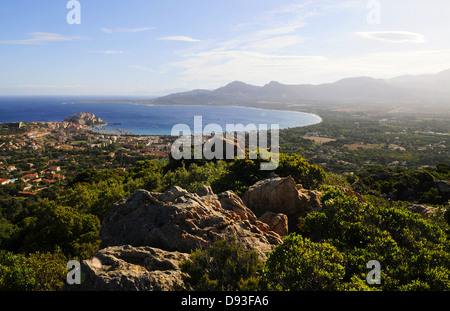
(150, 47)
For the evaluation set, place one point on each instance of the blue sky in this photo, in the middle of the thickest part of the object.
(142, 47)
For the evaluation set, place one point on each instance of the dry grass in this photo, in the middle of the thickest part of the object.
(362, 146)
(319, 140)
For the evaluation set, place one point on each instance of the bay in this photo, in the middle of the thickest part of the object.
(143, 119)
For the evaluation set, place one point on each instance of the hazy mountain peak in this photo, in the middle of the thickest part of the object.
(439, 82)
(237, 86)
(358, 80)
(445, 73)
(405, 89)
(273, 83)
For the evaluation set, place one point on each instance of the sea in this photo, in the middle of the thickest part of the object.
(140, 119)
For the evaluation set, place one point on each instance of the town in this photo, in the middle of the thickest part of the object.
(44, 154)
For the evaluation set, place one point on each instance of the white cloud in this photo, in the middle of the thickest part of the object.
(275, 43)
(108, 52)
(41, 38)
(291, 17)
(141, 68)
(262, 49)
(216, 68)
(179, 38)
(393, 36)
(219, 66)
(126, 30)
(279, 28)
(272, 46)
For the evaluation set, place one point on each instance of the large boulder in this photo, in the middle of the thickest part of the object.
(276, 222)
(424, 210)
(282, 195)
(127, 268)
(181, 221)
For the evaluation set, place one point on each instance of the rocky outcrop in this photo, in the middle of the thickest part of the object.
(180, 221)
(127, 268)
(282, 195)
(145, 236)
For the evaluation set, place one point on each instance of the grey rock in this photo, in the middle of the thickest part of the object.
(424, 210)
(180, 221)
(127, 268)
(282, 195)
(277, 222)
(204, 191)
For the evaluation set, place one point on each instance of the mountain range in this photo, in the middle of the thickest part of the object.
(404, 90)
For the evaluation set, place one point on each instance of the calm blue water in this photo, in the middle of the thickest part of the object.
(143, 119)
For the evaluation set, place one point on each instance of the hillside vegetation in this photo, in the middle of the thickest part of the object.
(54, 227)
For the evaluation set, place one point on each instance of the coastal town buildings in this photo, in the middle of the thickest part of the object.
(43, 154)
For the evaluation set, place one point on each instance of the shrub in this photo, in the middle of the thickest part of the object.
(225, 265)
(413, 252)
(52, 227)
(37, 272)
(447, 216)
(311, 176)
(300, 264)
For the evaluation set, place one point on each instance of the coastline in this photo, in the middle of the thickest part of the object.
(149, 122)
(119, 131)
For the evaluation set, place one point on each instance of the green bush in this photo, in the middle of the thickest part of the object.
(299, 264)
(52, 227)
(225, 265)
(193, 178)
(37, 272)
(447, 216)
(410, 249)
(311, 176)
(399, 184)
